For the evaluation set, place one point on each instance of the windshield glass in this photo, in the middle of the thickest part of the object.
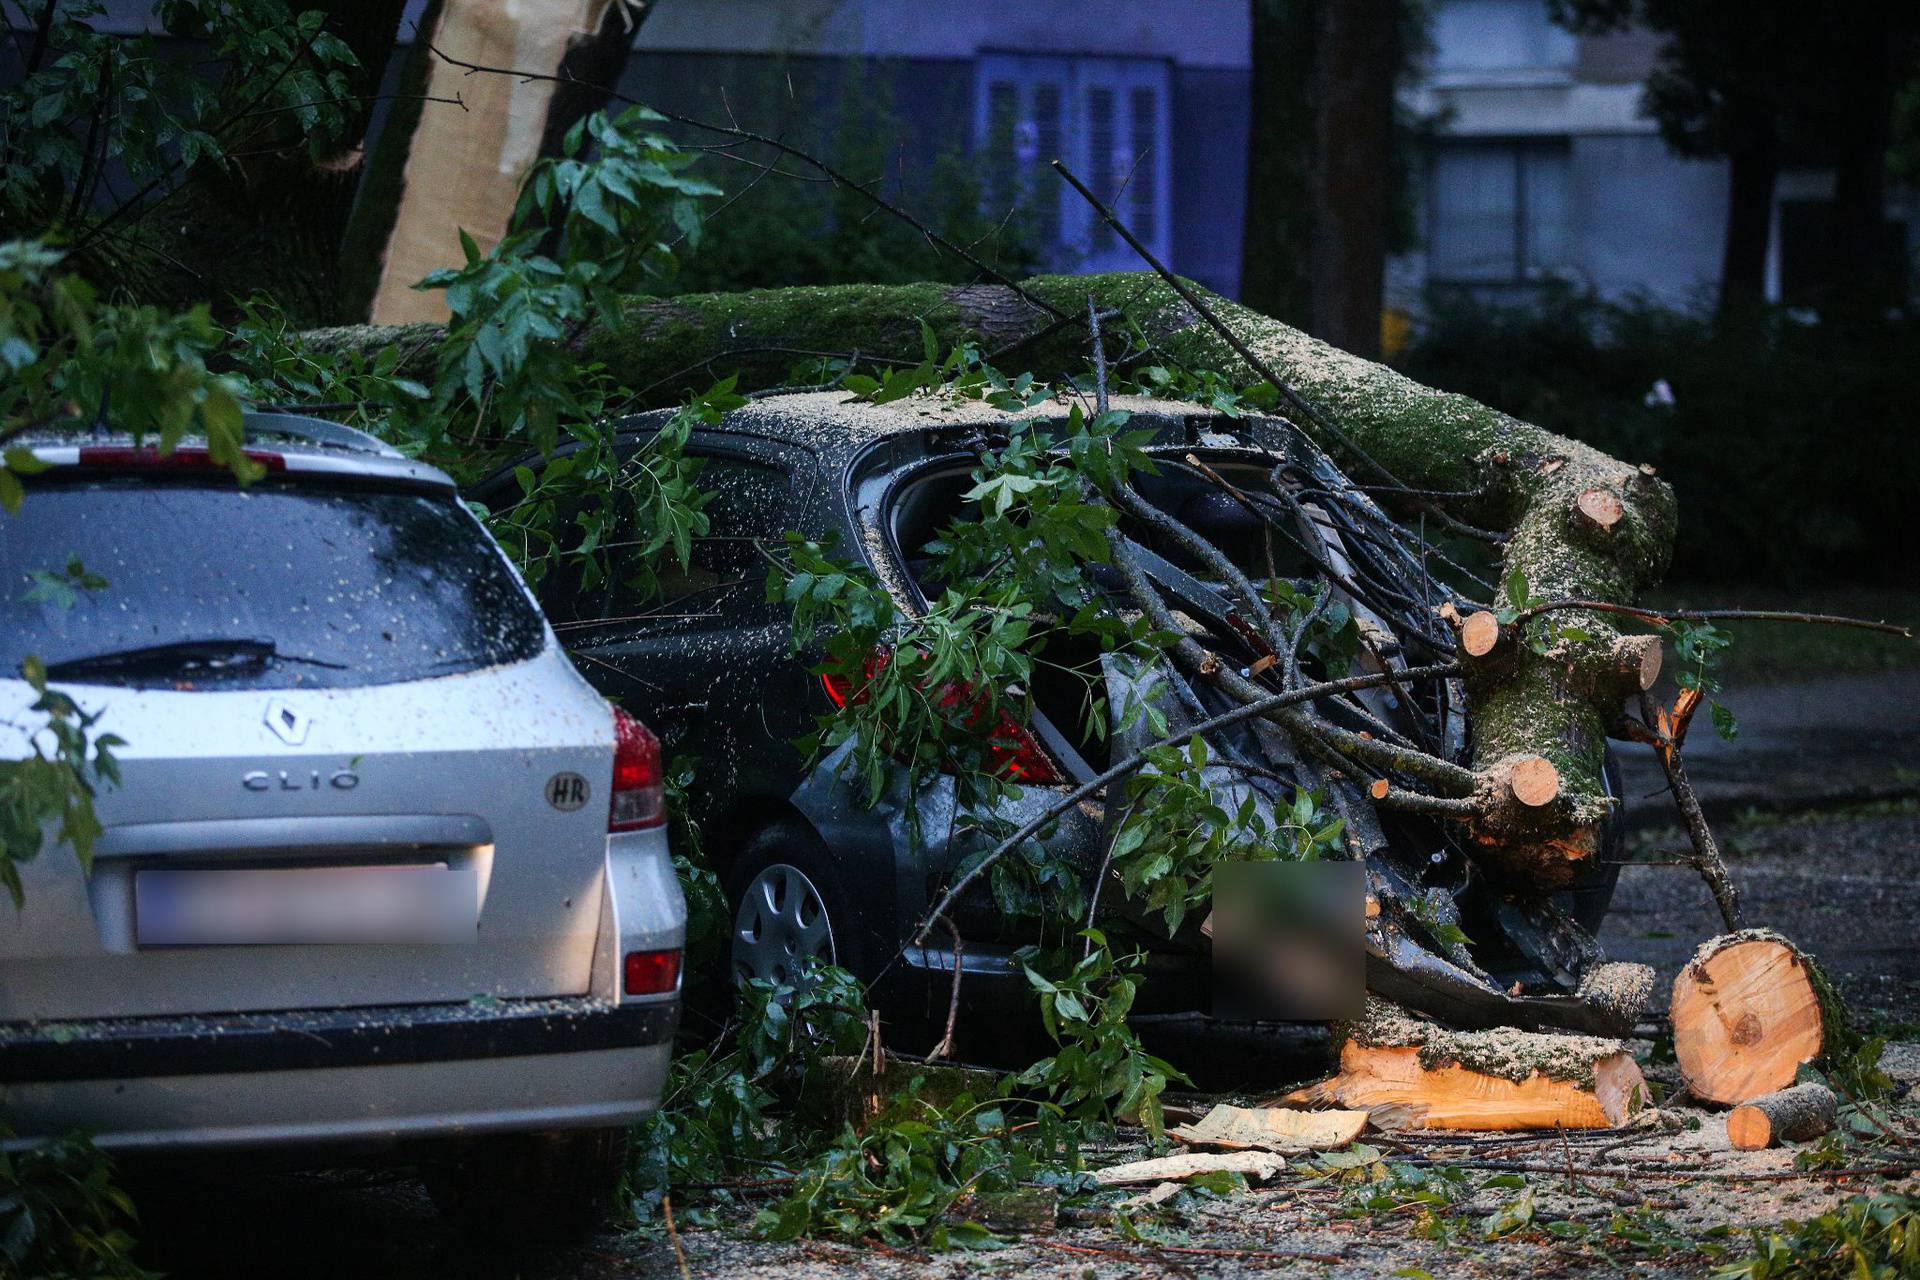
(345, 587)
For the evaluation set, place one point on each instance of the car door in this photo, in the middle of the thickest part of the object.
(707, 660)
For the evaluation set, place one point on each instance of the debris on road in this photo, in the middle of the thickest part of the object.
(1798, 1114)
(1278, 1129)
(1747, 1015)
(1255, 1165)
(1411, 1073)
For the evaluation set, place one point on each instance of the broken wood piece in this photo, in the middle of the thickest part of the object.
(1598, 510)
(1254, 1164)
(1410, 1073)
(1797, 1114)
(1148, 1199)
(1272, 1129)
(1638, 660)
(1746, 1016)
(1479, 634)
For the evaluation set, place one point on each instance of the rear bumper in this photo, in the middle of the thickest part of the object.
(319, 1076)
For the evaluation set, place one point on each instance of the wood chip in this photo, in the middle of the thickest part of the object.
(1254, 1164)
(1272, 1129)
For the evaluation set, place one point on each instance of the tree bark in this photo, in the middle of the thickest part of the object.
(1754, 169)
(1357, 57)
(1276, 232)
(1552, 697)
(1857, 250)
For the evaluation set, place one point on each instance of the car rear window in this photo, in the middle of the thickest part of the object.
(349, 586)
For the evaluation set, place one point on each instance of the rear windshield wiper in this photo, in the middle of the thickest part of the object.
(210, 656)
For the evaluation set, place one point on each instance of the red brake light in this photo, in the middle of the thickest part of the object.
(650, 973)
(108, 455)
(639, 788)
(1011, 750)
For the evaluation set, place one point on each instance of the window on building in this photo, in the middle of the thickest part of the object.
(1107, 118)
(1497, 212)
(1480, 36)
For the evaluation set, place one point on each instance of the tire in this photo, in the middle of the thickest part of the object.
(519, 1189)
(787, 904)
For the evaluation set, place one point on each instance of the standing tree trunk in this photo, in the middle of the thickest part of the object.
(1857, 246)
(1356, 60)
(1276, 232)
(1754, 169)
(464, 168)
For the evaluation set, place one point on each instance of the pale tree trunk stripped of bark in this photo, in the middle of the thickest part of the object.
(1552, 697)
(464, 169)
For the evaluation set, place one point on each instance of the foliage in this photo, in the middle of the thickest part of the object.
(1100, 1071)
(900, 1174)
(54, 783)
(62, 1214)
(150, 113)
(1178, 828)
(1865, 1238)
(1824, 420)
(776, 230)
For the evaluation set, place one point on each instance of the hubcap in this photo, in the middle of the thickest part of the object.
(781, 927)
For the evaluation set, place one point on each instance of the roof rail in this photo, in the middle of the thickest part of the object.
(298, 426)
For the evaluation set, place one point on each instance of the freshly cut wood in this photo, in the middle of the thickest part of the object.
(1271, 1129)
(1409, 1073)
(1598, 509)
(1479, 634)
(1535, 782)
(1254, 1164)
(1792, 1115)
(1746, 1016)
(1639, 659)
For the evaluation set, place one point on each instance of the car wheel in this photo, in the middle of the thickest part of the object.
(1589, 900)
(782, 924)
(531, 1188)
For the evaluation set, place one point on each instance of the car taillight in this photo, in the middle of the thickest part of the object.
(107, 455)
(639, 790)
(1011, 750)
(650, 973)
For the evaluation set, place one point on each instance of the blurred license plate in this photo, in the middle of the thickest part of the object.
(304, 905)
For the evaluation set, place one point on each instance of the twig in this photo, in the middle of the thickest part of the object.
(1246, 711)
(673, 1234)
(1197, 1251)
(1300, 404)
(1666, 741)
(945, 1047)
(1660, 617)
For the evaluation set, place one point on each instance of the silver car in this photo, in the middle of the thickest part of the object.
(381, 865)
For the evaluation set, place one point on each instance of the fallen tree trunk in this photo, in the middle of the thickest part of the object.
(1792, 1115)
(1747, 1014)
(1411, 1074)
(1540, 709)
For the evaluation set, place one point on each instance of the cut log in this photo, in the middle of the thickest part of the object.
(1479, 634)
(1271, 1129)
(1534, 781)
(1792, 1115)
(1746, 1016)
(1410, 1074)
(1638, 659)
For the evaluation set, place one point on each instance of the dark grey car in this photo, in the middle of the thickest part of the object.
(810, 870)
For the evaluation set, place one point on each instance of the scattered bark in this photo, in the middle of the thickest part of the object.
(1277, 1129)
(1747, 1015)
(1798, 1114)
(1254, 1164)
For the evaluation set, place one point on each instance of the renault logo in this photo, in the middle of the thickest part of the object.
(288, 725)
